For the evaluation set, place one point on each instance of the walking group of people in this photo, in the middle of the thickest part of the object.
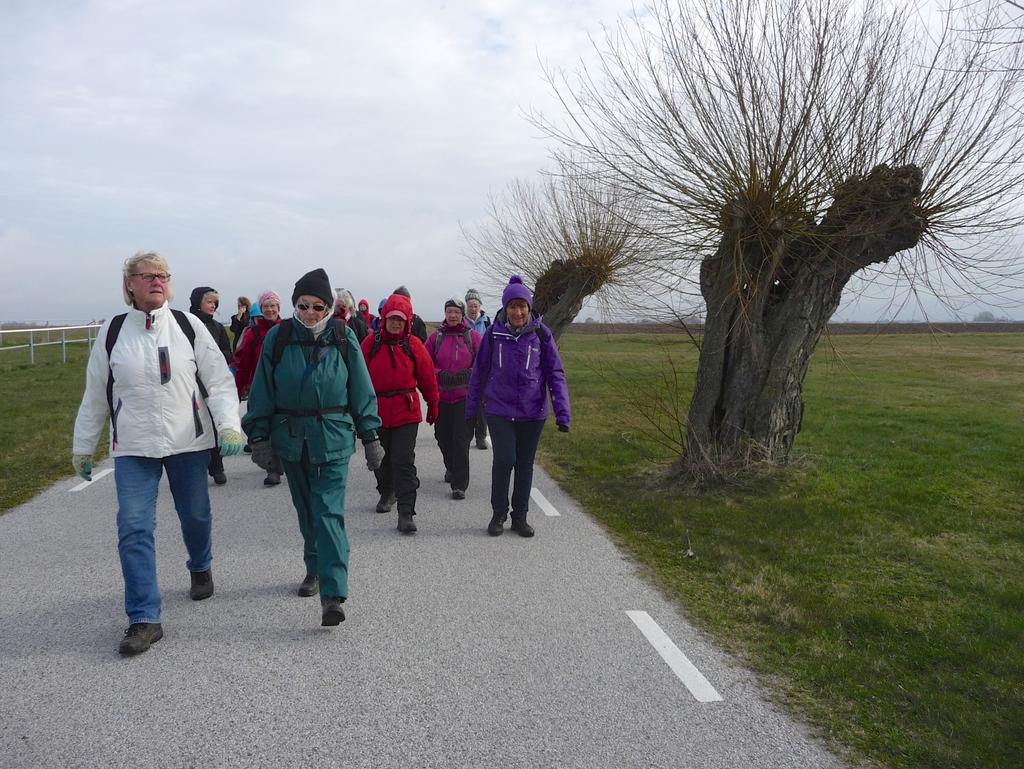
(331, 374)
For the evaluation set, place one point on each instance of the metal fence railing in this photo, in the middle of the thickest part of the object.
(44, 336)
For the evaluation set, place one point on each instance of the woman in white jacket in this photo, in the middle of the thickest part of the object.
(164, 390)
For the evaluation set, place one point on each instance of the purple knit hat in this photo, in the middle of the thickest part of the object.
(516, 290)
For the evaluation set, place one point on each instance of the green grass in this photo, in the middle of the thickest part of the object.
(877, 584)
(38, 404)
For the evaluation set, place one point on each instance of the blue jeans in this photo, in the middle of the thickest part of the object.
(514, 446)
(137, 480)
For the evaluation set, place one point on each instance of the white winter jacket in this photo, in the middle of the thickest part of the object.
(156, 413)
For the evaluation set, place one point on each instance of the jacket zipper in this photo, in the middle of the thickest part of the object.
(529, 349)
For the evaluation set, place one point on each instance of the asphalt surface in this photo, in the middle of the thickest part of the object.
(459, 650)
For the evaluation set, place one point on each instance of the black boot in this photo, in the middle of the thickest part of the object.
(385, 502)
(520, 526)
(496, 526)
(405, 523)
(333, 614)
(202, 585)
(140, 636)
(310, 586)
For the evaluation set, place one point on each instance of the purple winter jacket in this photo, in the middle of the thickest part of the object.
(513, 374)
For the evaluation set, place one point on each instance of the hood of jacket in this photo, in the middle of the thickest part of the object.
(403, 305)
(196, 297)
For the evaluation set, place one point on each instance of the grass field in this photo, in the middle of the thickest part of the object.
(877, 584)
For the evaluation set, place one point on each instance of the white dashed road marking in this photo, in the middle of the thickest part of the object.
(547, 507)
(692, 678)
(95, 477)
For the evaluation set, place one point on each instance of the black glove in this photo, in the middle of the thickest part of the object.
(262, 454)
(563, 428)
(374, 454)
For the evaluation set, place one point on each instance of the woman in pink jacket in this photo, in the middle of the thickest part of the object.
(453, 348)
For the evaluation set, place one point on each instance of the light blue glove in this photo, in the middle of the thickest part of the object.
(83, 465)
(230, 442)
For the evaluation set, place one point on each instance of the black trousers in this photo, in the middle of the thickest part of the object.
(397, 474)
(453, 435)
(216, 461)
(480, 428)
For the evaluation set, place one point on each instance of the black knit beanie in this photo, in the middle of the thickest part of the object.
(314, 283)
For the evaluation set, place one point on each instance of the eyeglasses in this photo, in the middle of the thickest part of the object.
(315, 307)
(149, 277)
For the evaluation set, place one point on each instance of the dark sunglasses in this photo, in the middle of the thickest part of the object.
(316, 307)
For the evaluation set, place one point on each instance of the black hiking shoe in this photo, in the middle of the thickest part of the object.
(482, 444)
(139, 637)
(447, 476)
(219, 478)
(496, 526)
(521, 527)
(310, 586)
(385, 502)
(405, 523)
(458, 494)
(272, 479)
(202, 585)
(333, 614)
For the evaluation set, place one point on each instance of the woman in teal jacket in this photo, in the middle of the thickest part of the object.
(310, 397)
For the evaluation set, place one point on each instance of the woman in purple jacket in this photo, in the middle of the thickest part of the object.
(516, 368)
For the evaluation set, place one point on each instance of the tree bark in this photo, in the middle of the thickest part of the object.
(560, 294)
(769, 297)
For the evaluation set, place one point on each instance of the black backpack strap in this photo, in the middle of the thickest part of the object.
(113, 330)
(190, 334)
(341, 339)
(284, 336)
(469, 343)
(377, 342)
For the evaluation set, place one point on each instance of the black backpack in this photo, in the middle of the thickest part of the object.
(284, 338)
(378, 342)
(114, 330)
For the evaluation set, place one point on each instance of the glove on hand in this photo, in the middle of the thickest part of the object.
(262, 454)
(83, 465)
(431, 413)
(563, 428)
(230, 442)
(374, 454)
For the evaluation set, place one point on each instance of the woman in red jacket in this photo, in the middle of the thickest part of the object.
(399, 364)
(247, 355)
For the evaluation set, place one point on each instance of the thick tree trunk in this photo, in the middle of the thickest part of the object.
(768, 301)
(560, 294)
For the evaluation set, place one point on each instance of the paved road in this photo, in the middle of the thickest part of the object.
(460, 650)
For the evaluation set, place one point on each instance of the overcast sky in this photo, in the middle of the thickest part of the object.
(252, 141)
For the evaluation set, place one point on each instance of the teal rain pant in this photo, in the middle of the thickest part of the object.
(318, 493)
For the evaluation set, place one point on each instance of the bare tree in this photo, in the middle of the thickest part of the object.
(785, 146)
(571, 236)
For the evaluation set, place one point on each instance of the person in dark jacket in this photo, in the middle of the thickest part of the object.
(417, 326)
(516, 369)
(364, 312)
(203, 303)
(399, 365)
(240, 320)
(453, 347)
(308, 408)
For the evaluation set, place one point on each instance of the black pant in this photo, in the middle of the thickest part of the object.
(216, 461)
(480, 428)
(397, 474)
(514, 446)
(453, 436)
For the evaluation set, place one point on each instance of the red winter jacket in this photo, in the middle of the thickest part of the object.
(396, 376)
(247, 353)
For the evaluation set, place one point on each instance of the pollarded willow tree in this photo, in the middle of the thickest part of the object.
(786, 146)
(571, 236)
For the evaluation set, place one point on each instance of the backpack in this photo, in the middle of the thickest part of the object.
(284, 338)
(466, 334)
(114, 330)
(378, 342)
